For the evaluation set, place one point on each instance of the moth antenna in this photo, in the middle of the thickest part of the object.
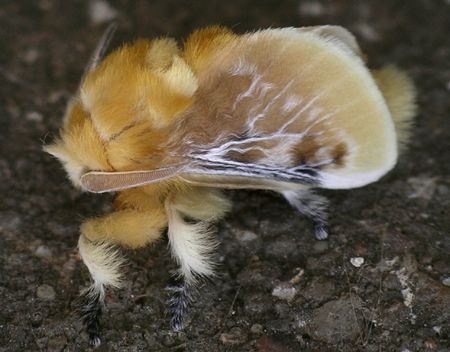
(100, 182)
(101, 48)
(313, 207)
(103, 262)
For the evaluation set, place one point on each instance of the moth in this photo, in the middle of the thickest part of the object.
(169, 126)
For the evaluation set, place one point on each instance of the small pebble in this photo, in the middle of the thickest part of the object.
(367, 31)
(446, 281)
(101, 11)
(336, 318)
(246, 236)
(46, 292)
(279, 326)
(257, 306)
(257, 329)
(387, 264)
(56, 95)
(437, 329)
(34, 116)
(423, 187)
(9, 221)
(284, 291)
(43, 251)
(31, 55)
(36, 319)
(297, 277)
(301, 322)
(311, 8)
(357, 261)
(235, 337)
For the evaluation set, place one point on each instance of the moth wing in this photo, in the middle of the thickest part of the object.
(338, 35)
(292, 97)
(235, 174)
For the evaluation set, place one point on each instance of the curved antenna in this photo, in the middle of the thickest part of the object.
(101, 182)
(101, 48)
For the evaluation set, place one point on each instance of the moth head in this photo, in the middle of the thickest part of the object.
(120, 117)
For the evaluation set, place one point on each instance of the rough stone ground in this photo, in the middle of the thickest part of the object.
(278, 289)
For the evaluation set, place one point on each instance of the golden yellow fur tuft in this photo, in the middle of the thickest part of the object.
(144, 80)
(119, 119)
(139, 219)
(128, 228)
(205, 204)
(400, 95)
(202, 44)
(161, 53)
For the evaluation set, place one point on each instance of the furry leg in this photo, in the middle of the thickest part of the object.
(191, 246)
(312, 206)
(201, 203)
(137, 222)
(181, 297)
(91, 311)
(103, 262)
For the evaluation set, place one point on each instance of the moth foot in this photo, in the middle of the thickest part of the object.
(320, 232)
(95, 341)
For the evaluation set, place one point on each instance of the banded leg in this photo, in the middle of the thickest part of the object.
(313, 207)
(191, 244)
(181, 296)
(104, 263)
(96, 245)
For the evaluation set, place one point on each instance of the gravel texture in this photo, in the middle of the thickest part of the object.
(278, 288)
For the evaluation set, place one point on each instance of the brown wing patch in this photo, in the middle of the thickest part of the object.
(310, 151)
(305, 152)
(339, 153)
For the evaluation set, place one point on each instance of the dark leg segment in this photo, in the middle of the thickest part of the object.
(312, 206)
(181, 297)
(92, 301)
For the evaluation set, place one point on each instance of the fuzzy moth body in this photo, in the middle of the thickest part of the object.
(166, 126)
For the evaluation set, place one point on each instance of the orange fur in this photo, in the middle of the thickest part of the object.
(139, 219)
(128, 228)
(202, 45)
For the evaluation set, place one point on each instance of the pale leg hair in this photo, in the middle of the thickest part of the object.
(129, 228)
(104, 263)
(191, 243)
